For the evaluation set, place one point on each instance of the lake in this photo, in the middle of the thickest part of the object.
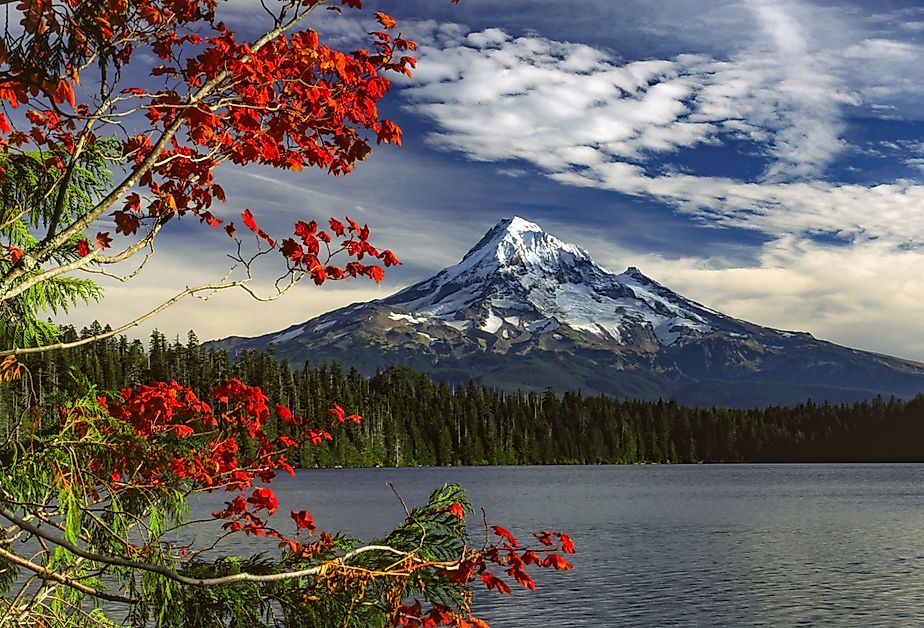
(668, 545)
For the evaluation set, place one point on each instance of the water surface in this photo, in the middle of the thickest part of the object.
(703, 545)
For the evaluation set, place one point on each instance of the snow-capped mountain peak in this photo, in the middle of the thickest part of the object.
(521, 281)
(516, 242)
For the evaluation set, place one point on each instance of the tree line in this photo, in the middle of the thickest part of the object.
(409, 419)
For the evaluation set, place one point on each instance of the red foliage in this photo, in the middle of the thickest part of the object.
(103, 240)
(304, 520)
(263, 499)
(182, 441)
(285, 100)
(493, 582)
(176, 439)
(504, 534)
(458, 511)
(15, 253)
(304, 255)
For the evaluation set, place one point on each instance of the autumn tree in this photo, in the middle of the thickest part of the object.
(93, 492)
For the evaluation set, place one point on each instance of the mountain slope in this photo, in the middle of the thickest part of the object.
(524, 310)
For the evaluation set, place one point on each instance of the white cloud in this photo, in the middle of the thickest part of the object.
(917, 162)
(584, 118)
(887, 212)
(796, 98)
(499, 97)
(550, 96)
(885, 49)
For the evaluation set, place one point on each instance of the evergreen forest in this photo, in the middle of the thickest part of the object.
(408, 419)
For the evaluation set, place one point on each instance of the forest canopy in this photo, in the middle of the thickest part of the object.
(410, 419)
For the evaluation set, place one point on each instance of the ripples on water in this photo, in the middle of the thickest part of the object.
(716, 545)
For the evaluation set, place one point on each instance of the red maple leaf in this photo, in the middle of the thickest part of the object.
(292, 250)
(458, 510)
(126, 223)
(337, 227)
(15, 253)
(531, 558)
(103, 240)
(249, 222)
(523, 578)
(287, 442)
(183, 431)
(264, 499)
(385, 20)
(338, 413)
(503, 533)
(556, 561)
(304, 520)
(491, 581)
(388, 258)
(284, 413)
(375, 273)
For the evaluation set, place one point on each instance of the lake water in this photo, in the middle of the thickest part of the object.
(708, 545)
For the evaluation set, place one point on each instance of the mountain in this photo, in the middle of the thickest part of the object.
(524, 310)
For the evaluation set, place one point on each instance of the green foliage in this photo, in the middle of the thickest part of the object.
(36, 197)
(236, 605)
(9, 572)
(352, 596)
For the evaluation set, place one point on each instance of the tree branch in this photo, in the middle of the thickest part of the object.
(146, 316)
(47, 574)
(80, 262)
(178, 577)
(62, 185)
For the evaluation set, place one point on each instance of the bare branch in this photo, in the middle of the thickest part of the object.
(187, 292)
(199, 582)
(122, 278)
(79, 263)
(407, 512)
(47, 574)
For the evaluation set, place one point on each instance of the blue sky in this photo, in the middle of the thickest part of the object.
(763, 158)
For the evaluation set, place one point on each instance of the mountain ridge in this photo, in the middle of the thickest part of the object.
(523, 309)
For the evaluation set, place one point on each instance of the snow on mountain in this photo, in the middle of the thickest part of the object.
(519, 276)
